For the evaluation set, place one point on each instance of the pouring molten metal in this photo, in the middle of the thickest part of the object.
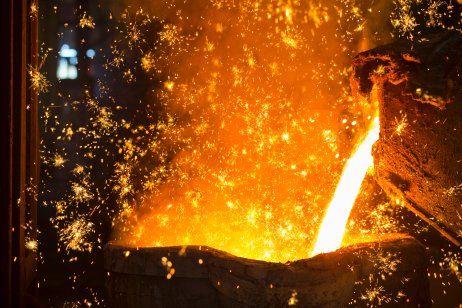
(333, 226)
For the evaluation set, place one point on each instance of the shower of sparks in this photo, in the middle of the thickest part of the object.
(38, 81)
(58, 160)
(148, 62)
(86, 21)
(454, 190)
(81, 193)
(134, 27)
(375, 295)
(75, 234)
(291, 38)
(123, 183)
(407, 13)
(172, 35)
(31, 245)
(404, 20)
(452, 262)
(246, 124)
(229, 123)
(380, 220)
(400, 125)
(118, 58)
(386, 264)
(318, 13)
(435, 12)
(78, 169)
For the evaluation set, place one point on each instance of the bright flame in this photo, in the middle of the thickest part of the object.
(333, 226)
(241, 141)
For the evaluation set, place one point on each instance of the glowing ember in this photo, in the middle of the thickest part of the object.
(333, 226)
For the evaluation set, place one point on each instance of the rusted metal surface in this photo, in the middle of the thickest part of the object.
(418, 158)
(205, 277)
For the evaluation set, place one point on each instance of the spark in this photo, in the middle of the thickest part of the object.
(147, 62)
(122, 180)
(128, 76)
(434, 12)
(400, 125)
(32, 245)
(75, 234)
(318, 14)
(61, 207)
(452, 262)
(69, 133)
(291, 38)
(38, 81)
(169, 85)
(134, 28)
(403, 19)
(81, 192)
(119, 58)
(104, 120)
(78, 169)
(454, 190)
(86, 21)
(293, 299)
(209, 46)
(386, 263)
(375, 294)
(58, 161)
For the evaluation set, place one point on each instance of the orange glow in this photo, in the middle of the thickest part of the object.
(333, 226)
(247, 132)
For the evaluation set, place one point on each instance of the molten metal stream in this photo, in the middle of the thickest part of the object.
(333, 226)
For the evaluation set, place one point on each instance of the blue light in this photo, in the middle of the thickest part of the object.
(73, 60)
(67, 52)
(91, 53)
(67, 68)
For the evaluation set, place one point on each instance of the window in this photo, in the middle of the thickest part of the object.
(67, 65)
